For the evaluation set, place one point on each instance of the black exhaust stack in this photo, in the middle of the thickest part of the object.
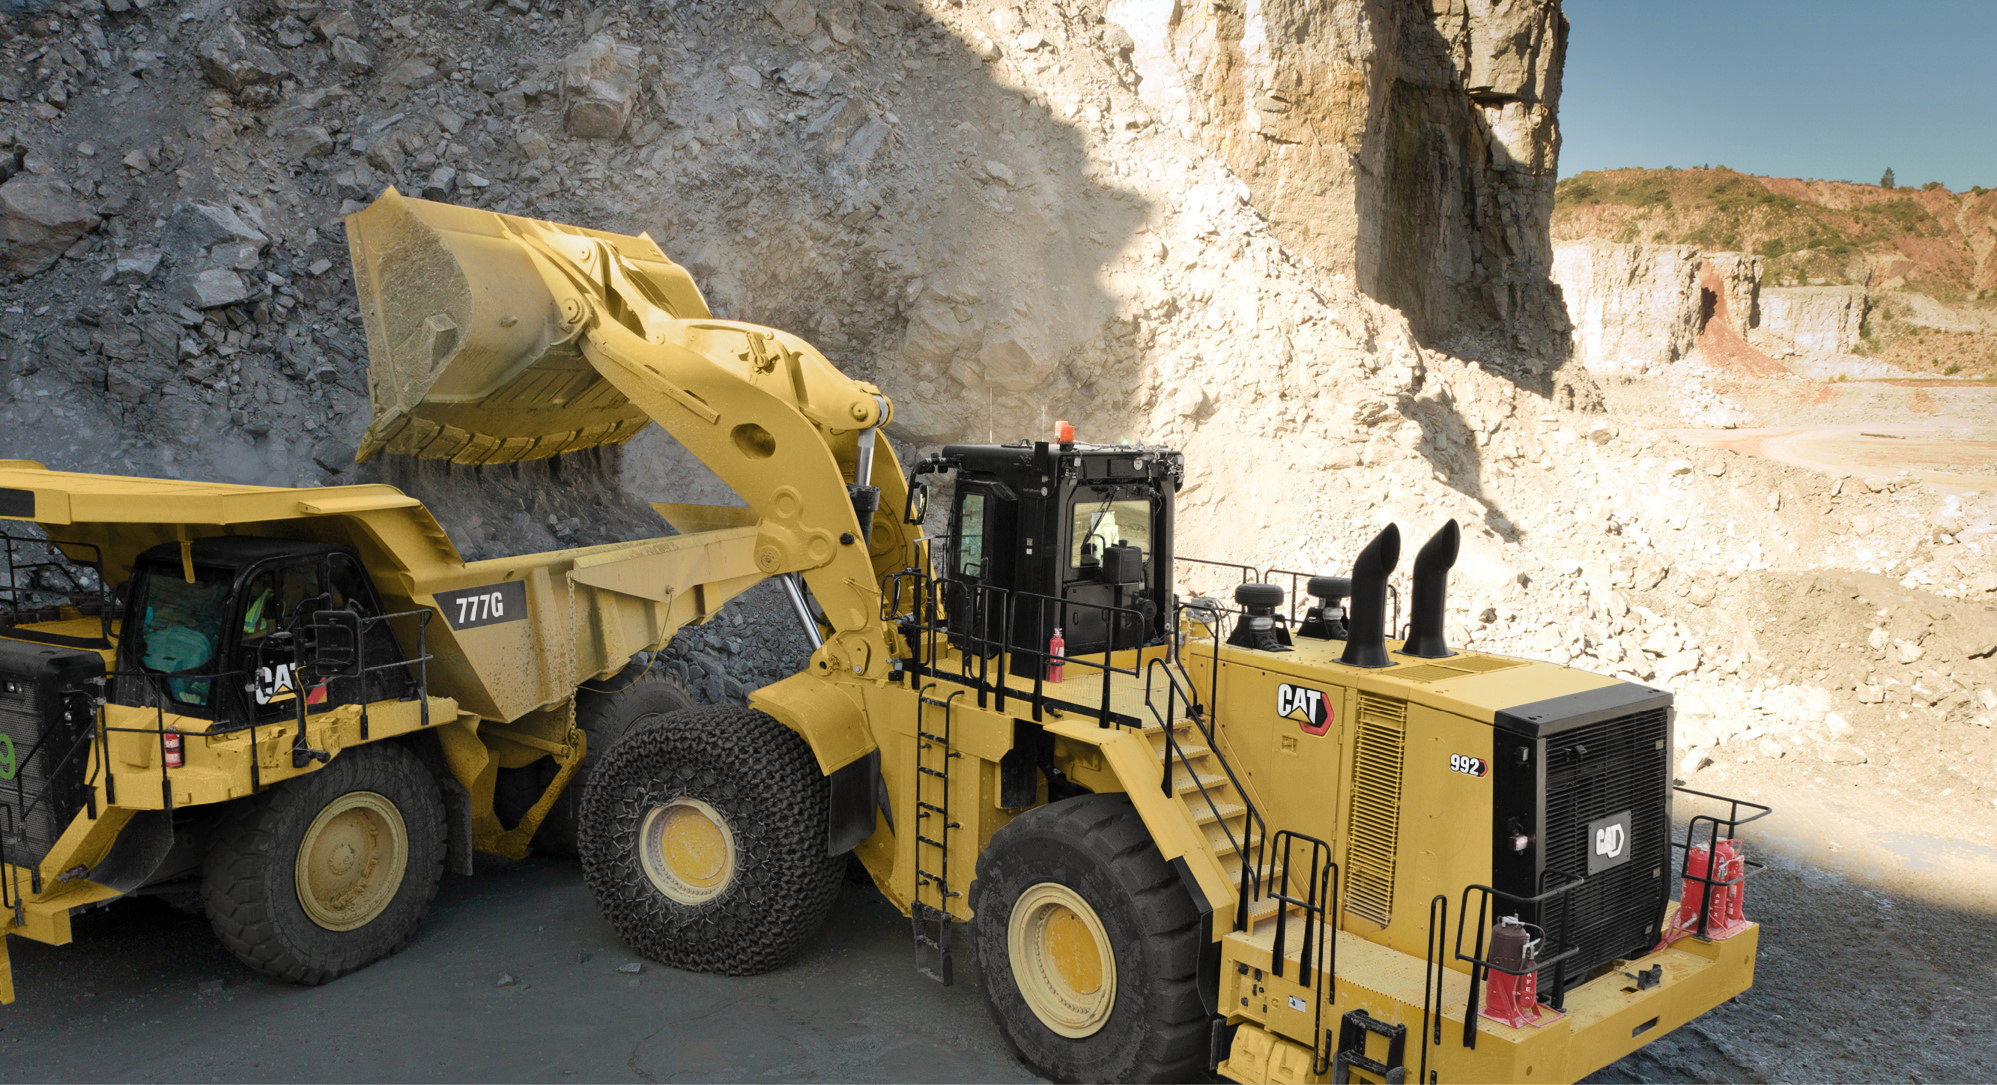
(1431, 592)
(1366, 645)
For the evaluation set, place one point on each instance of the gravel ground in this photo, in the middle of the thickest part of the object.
(145, 994)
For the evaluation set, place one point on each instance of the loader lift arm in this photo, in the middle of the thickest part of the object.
(497, 339)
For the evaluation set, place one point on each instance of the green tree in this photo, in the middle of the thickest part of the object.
(1886, 179)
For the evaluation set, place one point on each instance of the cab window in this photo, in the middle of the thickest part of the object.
(971, 536)
(1099, 525)
(180, 629)
(275, 597)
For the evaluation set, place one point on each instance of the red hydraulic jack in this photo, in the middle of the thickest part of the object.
(1722, 908)
(1514, 1000)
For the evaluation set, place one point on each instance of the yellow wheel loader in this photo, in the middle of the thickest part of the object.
(1245, 834)
(300, 706)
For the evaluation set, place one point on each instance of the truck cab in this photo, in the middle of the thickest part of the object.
(212, 633)
(1047, 536)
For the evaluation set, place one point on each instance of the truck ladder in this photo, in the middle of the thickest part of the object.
(930, 918)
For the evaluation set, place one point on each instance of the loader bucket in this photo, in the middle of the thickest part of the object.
(471, 357)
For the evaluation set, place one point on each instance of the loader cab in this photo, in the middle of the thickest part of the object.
(1049, 535)
(223, 645)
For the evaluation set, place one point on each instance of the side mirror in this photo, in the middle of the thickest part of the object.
(918, 504)
(334, 650)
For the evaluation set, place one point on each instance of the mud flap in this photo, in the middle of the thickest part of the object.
(141, 847)
(850, 803)
(6, 974)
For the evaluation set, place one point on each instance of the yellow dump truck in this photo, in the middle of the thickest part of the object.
(1247, 836)
(302, 703)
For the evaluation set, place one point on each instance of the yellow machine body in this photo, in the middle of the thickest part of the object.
(499, 694)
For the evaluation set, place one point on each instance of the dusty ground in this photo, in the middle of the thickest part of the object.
(1855, 984)
(145, 994)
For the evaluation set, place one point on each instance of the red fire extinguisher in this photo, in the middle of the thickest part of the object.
(1514, 1000)
(1724, 917)
(1057, 653)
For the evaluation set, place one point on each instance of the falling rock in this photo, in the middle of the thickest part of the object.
(600, 87)
(352, 57)
(40, 219)
(231, 61)
(213, 289)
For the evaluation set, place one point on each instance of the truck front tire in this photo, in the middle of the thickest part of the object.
(703, 841)
(330, 872)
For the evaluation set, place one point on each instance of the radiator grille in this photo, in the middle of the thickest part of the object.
(1593, 772)
(45, 738)
(1374, 810)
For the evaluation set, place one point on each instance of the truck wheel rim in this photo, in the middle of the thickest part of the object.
(1061, 960)
(351, 861)
(687, 850)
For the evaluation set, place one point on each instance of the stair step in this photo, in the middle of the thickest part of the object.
(1193, 782)
(1204, 815)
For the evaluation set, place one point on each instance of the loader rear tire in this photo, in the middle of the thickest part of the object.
(1088, 945)
(329, 872)
(704, 841)
(605, 710)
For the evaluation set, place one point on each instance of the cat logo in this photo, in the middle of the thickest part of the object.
(280, 683)
(1309, 707)
(1611, 839)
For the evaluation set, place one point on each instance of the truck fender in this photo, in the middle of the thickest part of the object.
(834, 725)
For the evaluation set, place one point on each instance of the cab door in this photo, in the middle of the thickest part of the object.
(981, 560)
(276, 596)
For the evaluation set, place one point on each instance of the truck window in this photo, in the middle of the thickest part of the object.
(971, 536)
(180, 626)
(1101, 524)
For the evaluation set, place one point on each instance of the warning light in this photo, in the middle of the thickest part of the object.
(1064, 432)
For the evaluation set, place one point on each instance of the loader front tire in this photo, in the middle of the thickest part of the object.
(605, 711)
(329, 872)
(704, 841)
(1088, 945)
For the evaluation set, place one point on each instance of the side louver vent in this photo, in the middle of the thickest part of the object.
(1374, 814)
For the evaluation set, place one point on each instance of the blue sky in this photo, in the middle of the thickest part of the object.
(1831, 89)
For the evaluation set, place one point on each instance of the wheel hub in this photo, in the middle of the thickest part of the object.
(351, 861)
(687, 850)
(1061, 960)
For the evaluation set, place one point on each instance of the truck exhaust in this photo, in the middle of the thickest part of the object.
(1431, 592)
(1366, 644)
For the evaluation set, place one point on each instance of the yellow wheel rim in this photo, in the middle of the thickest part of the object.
(687, 850)
(351, 861)
(1061, 960)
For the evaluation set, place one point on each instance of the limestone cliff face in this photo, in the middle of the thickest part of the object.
(1637, 306)
(1410, 145)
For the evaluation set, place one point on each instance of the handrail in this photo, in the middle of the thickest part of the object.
(1431, 982)
(981, 650)
(1478, 965)
(12, 592)
(1320, 894)
(1254, 831)
(1733, 821)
